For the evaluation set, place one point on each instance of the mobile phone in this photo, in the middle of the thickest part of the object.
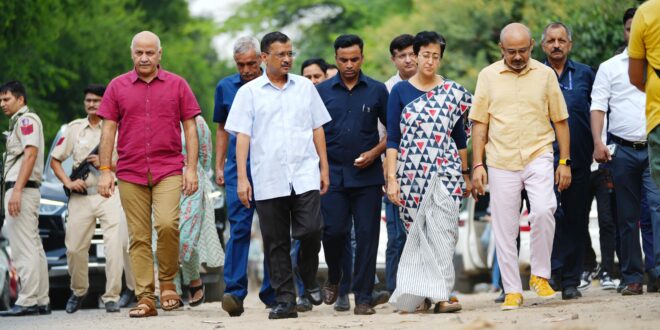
(612, 149)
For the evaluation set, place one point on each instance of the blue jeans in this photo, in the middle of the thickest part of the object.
(632, 178)
(396, 239)
(237, 249)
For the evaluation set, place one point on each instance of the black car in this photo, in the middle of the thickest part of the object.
(53, 215)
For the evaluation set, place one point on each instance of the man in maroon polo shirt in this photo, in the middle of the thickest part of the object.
(146, 106)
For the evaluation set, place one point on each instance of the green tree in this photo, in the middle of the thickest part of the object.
(57, 47)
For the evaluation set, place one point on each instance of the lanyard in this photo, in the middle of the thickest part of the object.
(570, 82)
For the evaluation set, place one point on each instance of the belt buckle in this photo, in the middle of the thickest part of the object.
(639, 145)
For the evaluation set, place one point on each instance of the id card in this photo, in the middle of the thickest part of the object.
(612, 149)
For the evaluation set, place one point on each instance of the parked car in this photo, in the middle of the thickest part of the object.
(8, 277)
(53, 215)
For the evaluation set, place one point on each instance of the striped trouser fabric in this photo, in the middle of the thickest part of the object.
(426, 269)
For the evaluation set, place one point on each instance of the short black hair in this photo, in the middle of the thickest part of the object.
(315, 60)
(271, 38)
(426, 38)
(332, 66)
(401, 42)
(96, 89)
(348, 40)
(15, 88)
(556, 25)
(629, 14)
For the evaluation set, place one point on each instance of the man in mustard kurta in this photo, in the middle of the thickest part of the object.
(515, 101)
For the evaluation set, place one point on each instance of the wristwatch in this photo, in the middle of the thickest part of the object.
(566, 162)
(467, 170)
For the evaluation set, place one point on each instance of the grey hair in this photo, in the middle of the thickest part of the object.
(245, 44)
(145, 32)
(506, 28)
(555, 25)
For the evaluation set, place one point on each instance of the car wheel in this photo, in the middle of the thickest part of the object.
(5, 299)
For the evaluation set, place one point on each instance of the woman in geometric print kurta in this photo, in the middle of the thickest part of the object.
(427, 138)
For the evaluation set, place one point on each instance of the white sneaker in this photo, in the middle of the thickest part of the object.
(606, 282)
(585, 280)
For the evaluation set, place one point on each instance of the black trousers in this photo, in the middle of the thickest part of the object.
(280, 218)
(602, 187)
(571, 228)
(361, 205)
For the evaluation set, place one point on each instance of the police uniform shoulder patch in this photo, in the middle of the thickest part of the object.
(27, 127)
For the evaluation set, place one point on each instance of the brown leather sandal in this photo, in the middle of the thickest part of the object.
(169, 286)
(447, 307)
(149, 310)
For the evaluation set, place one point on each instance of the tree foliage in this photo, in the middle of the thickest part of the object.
(57, 47)
(471, 27)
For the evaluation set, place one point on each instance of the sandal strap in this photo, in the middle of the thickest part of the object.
(167, 286)
(194, 289)
(151, 305)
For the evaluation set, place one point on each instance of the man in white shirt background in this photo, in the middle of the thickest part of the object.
(630, 164)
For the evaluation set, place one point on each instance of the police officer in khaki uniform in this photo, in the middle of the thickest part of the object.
(80, 139)
(23, 167)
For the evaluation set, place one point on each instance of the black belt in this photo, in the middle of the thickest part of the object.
(29, 184)
(637, 145)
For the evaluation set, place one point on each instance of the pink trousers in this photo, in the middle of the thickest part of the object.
(505, 200)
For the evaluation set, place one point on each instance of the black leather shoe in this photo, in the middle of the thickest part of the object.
(19, 310)
(330, 293)
(283, 311)
(363, 309)
(304, 305)
(232, 305)
(111, 307)
(315, 296)
(342, 304)
(127, 298)
(632, 289)
(379, 298)
(45, 309)
(74, 303)
(570, 292)
(500, 298)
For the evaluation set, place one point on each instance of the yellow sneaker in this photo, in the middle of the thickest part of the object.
(541, 286)
(512, 301)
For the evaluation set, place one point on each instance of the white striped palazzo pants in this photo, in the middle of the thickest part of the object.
(426, 269)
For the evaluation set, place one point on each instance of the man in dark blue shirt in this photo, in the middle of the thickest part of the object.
(572, 215)
(355, 103)
(246, 56)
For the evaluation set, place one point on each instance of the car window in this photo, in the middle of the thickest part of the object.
(49, 175)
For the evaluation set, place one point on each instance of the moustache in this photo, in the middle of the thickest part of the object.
(557, 50)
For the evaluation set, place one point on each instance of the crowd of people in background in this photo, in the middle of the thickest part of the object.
(318, 156)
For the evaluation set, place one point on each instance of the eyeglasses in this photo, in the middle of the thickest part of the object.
(282, 55)
(428, 56)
